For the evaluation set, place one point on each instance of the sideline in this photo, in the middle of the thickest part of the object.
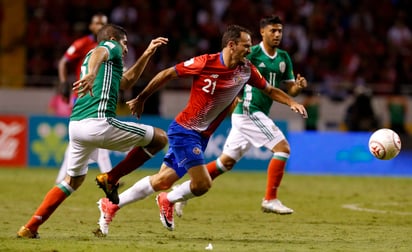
(357, 207)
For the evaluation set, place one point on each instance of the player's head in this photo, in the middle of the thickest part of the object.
(97, 22)
(113, 32)
(237, 42)
(271, 30)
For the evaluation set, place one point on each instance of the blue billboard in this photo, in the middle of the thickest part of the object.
(334, 153)
(344, 153)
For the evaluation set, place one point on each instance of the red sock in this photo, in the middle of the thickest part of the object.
(214, 169)
(133, 160)
(50, 202)
(275, 173)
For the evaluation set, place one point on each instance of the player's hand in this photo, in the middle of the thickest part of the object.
(65, 91)
(84, 85)
(136, 106)
(155, 43)
(299, 108)
(301, 81)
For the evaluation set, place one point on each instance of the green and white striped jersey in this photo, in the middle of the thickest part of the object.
(103, 104)
(274, 69)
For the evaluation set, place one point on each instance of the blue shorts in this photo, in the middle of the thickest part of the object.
(186, 148)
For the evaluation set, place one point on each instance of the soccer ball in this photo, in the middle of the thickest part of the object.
(384, 144)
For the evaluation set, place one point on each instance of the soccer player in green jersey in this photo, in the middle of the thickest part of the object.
(251, 124)
(93, 124)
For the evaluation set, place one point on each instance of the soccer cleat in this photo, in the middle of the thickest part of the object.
(179, 207)
(109, 189)
(27, 233)
(166, 211)
(275, 206)
(107, 212)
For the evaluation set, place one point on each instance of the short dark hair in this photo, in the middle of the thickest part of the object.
(270, 20)
(233, 33)
(111, 30)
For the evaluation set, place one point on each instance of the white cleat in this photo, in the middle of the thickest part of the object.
(179, 207)
(275, 206)
(107, 213)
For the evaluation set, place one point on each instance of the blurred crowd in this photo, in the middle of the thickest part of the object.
(336, 44)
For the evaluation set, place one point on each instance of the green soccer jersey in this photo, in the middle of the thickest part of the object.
(275, 70)
(103, 103)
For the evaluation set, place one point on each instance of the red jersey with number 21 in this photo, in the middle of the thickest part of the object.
(214, 88)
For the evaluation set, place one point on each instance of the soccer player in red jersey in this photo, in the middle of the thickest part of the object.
(251, 124)
(73, 57)
(217, 80)
(75, 54)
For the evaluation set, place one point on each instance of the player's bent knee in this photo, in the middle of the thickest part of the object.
(161, 136)
(282, 146)
(227, 161)
(75, 182)
(159, 141)
(199, 191)
(201, 188)
(161, 186)
(160, 183)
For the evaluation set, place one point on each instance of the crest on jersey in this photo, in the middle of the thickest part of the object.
(196, 150)
(282, 66)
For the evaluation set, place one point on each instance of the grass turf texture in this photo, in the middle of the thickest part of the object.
(229, 216)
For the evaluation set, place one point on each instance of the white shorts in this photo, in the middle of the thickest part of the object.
(87, 135)
(256, 129)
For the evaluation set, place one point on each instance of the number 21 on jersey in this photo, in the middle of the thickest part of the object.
(210, 86)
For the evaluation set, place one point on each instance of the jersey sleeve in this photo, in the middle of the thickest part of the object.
(74, 52)
(256, 79)
(193, 66)
(289, 75)
(112, 47)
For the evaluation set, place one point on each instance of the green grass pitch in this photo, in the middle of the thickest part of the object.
(378, 216)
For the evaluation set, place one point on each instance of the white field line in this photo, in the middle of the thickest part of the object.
(357, 207)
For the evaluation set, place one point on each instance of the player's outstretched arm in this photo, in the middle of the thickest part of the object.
(131, 76)
(136, 105)
(85, 84)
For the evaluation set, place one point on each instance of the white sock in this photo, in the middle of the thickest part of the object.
(220, 166)
(65, 187)
(180, 193)
(140, 190)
